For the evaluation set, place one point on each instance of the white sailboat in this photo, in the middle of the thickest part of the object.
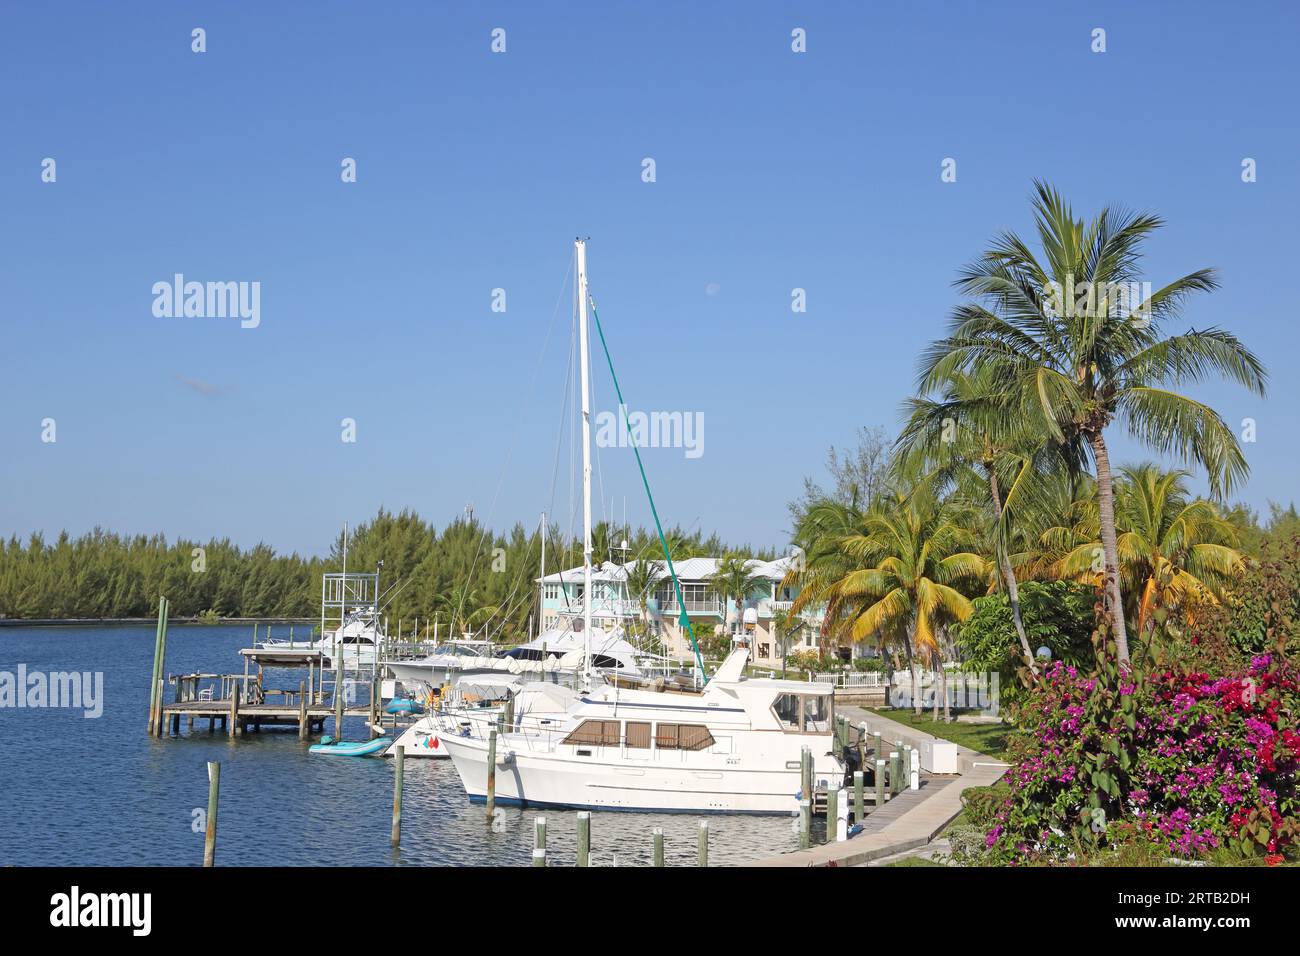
(733, 746)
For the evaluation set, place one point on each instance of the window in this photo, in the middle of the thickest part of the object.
(552, 592)
(803, 713)
(602, 733)
(765, 650)
(683, 737)
(638, 734)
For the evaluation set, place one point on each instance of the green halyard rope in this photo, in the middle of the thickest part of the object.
(684, 620)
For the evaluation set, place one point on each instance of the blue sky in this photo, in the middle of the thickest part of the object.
(775, 170)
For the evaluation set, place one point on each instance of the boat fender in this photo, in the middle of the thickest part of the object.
(505, 758)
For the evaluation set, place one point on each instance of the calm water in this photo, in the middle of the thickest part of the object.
(102, 792)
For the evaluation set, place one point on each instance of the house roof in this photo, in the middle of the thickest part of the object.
(688, 569)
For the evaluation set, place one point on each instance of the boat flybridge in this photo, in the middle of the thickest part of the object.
(357, 641)
(732, 747)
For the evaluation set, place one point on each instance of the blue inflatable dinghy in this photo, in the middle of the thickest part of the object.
(350, 748)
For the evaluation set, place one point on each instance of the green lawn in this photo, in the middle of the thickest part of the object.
(989, 739)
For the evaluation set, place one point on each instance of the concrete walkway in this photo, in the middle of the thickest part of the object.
(909, 821)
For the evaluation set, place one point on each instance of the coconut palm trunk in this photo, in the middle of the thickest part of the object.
(1009, 574)
(913, 667)
(1109, 544)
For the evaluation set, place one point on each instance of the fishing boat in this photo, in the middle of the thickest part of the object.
(733, 745)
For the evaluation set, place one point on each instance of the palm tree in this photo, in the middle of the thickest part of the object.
(1175, 552)
(734, 580)
(965, 437)
(902, 565)
(642, 577)
(1077, 364)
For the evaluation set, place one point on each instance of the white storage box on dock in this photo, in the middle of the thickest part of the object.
(938, 756)
(388, 689)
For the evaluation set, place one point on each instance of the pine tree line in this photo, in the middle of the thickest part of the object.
(464, 573)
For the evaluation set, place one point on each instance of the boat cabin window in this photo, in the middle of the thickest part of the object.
(638, 734)
(803, 713)
(683, 737)
(604, 660)
(602, 733)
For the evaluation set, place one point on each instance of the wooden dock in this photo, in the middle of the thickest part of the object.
(241, 703)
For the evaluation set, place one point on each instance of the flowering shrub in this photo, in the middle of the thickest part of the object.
(1186, 763)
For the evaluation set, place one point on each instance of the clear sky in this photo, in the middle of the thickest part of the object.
(475, 170)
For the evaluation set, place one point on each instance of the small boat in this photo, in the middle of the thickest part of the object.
(403, 705)
(350, 748)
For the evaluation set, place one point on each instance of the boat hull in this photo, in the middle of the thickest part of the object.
(670, 785)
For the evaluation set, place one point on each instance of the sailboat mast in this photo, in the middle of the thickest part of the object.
(541, 597)
(580, 246)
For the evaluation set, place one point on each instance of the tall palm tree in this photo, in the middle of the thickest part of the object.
(965, 437)
(904, 564)
(734, 579)
(1078, 362)
(1176, 552)
(642, 577)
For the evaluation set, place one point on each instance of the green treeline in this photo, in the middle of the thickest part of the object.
(464, 573)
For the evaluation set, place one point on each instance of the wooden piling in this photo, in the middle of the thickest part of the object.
(859, 797)
(862, 746)
(895, 772)
(880, 782)
(374, 705)
(805, 822)
(914, 769)
(805, 773)
(659, 846)
(210, 834)
(302, 710)
(878, 743)
(584, 837)
(157, 666)
(539, 841)
(492, 775)
(233, 726)
(832, 810)
(338, 700)
(397, 795)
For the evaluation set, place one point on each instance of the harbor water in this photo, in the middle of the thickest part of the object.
(98, 791)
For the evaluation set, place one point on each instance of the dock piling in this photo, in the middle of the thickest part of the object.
(704, 843)
(805, 822)
(210, 834)
(492, 775)
(584, 837)
(302, 710)
(398, 756)
(153, 672)
(659, 846)
(914, 770)
(859, 797)
(539, 841)
(880, 782)
(832, 810)
(895, 772)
